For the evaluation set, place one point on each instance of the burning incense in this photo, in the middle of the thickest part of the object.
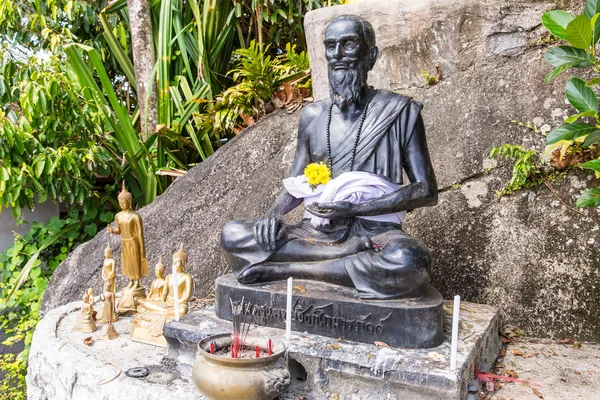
(257, 350)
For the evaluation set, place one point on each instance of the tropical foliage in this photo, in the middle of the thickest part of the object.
(577, 142)
(70, 116)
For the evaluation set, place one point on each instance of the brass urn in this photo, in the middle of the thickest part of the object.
(221, 377)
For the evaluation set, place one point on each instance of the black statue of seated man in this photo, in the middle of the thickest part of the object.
(359, 129)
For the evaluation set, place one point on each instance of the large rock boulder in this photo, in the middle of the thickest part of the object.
(527, 254)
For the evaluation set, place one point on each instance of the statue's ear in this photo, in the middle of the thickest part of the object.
(373, 54)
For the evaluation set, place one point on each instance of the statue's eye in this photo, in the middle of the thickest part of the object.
(331, 47)
(349, 44)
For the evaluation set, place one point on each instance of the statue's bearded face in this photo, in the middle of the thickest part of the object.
(348, 64)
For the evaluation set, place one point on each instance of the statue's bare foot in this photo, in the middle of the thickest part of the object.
(258, 274)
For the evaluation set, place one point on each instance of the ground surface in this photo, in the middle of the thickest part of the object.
(566, 371)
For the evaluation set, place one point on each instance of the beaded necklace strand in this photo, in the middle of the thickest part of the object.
(360, 126)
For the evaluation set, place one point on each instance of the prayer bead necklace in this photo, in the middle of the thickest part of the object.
(356, 140)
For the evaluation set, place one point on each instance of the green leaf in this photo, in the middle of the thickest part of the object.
(592, 138)
(592, 7)
(596, 29)
(91, 229)
(557, 71)
(575, 117)
(594, 165)
(592, 82)
(562, 55)
(581, 97)
(579, 32)
(589, 198)
(569, 132)
(556, 22)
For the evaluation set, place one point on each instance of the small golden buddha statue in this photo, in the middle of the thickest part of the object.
(85, 319)
(154, 314)
(109, 268)
(129, 225)
(109, 314)
(158, 283)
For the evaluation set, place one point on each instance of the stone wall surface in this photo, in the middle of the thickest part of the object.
(526, 253)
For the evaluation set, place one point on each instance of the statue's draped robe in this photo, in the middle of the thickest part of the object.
(385, 141)
(133, 254)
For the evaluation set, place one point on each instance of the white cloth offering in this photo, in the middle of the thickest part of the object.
(355, 186)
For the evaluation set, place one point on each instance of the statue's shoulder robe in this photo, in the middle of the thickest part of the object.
(387, 130)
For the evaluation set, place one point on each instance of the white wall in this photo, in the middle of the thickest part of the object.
(42, 213)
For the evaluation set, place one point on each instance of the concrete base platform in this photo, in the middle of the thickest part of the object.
(61, 366)
(321, 366)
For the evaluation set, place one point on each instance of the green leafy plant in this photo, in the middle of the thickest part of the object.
(526, 168)
(582, 33)
(25, 270)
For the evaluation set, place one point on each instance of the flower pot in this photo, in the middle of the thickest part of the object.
(220, 377)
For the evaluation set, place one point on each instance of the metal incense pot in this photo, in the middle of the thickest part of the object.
(221, 377)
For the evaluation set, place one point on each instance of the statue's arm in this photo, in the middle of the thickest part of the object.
(285, 202)
(116, 230)
(422, 189)
(165, 289)
(267, 229)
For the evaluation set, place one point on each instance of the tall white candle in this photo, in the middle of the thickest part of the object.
(288, 315)
(455, 318)
(175, 293)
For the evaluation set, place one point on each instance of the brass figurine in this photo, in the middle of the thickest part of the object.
(109, 313)
(85, 319)
(153, 314)
(108, 332)
(128, 224)
(158, 283)
(109, 268)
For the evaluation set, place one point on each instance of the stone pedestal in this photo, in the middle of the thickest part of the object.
(322, 366)
(337, 311)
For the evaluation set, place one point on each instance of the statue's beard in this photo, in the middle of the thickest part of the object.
(345, 85)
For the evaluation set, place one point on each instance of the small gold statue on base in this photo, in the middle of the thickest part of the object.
(85, 319)
(158, 283)
(109, 268)
(109, 313)
(128, 224)
(152, 315)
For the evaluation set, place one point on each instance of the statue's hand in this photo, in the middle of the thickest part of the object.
(267, 230)
(340, 209)
(110, 230)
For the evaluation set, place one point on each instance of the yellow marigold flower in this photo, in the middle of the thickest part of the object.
(317, 174)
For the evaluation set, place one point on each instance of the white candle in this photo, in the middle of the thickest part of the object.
(455, 318)
(288, 315)
(175, 293)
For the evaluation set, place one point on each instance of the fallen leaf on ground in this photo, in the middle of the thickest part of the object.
(381, 344)
(566, 341)
(537, 393)
(511, 372)
(300, 288)
(334, 346)
(512, 331)
(502, 352)
(522, 354)
(577, 345)
(88, 341)
(506, 339)
(577, 373)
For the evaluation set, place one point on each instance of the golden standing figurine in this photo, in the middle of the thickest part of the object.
(85, 319)
(108, 314)
(109, 268)
(153, 314)
(128, 224)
